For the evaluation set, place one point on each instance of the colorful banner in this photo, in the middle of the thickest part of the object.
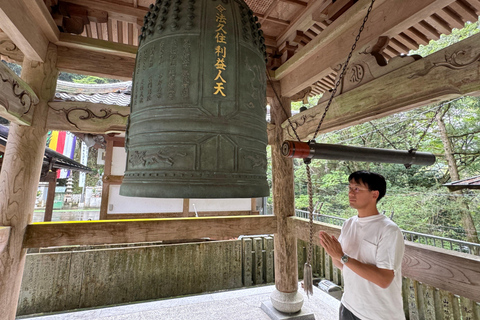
(63, 142)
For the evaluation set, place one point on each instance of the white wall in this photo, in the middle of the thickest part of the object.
(121, 204)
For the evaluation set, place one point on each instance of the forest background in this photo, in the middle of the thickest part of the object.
(416, 198)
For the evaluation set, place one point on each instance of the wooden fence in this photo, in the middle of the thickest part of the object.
(90, 276)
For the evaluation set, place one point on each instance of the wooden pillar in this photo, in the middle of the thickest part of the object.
(186, 208)
(286, 297)
(52, 183)
(20, 176)
(106, 174)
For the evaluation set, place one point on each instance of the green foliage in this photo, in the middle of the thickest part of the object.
(447, 40)
(78, 78)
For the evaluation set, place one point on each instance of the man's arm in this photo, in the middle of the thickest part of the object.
(381, 277)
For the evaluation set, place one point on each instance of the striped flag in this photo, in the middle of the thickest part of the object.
(63, 142)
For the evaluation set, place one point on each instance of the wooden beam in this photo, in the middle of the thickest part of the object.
(330, 48)
(48, 234)
(161, 215)
(448, 73)
(4, 236)
(43, 19)
(116, 10)
(264, 18)
(101, 46)
(9, 50)
(452, 271)
(20, 26)
(17, 99)
(87, 117)
(99, 64)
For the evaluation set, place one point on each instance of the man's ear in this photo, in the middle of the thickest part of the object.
(375, 194)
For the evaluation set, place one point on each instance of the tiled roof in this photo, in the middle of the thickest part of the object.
(109, 93)
(469, 183)
(119, 99)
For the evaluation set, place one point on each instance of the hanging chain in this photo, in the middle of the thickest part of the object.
(342, 74)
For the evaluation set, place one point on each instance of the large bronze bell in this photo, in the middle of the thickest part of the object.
(197, 127)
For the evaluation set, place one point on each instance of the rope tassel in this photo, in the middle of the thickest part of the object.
(308, 279)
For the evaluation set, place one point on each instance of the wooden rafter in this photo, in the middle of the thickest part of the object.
(311, 62)
(116, 10)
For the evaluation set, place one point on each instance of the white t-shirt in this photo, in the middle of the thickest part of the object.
(374, 240)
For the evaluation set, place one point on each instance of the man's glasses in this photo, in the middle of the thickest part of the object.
(356, 189)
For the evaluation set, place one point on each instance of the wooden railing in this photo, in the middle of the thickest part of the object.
(428, 239)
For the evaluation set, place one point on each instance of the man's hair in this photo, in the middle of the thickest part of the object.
(374, 181)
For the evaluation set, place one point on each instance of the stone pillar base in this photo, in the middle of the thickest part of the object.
(274, 314)
(287, 302)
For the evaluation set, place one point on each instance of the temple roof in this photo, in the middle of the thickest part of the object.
(468, 183)
(59, 160)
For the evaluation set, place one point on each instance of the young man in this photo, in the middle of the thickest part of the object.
(369, 251)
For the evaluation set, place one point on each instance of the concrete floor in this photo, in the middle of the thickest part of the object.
(242, 304)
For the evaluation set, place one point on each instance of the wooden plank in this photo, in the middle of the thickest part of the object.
(330, 48)
(17, 99)
(429, 302)
(259, 261)
(87, 117)
(467, 308)
(247, 261)
(120, 10)
(20, 26)
(455, 272)
(99, 64)
(437, 77)
(269, 269)
(413, 300)
(447, 270)
(4, 236)
(186, 207)
(155, 215)
(47, 234)
(96, 45)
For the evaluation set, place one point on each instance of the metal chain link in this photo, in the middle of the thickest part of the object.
(342, 74)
